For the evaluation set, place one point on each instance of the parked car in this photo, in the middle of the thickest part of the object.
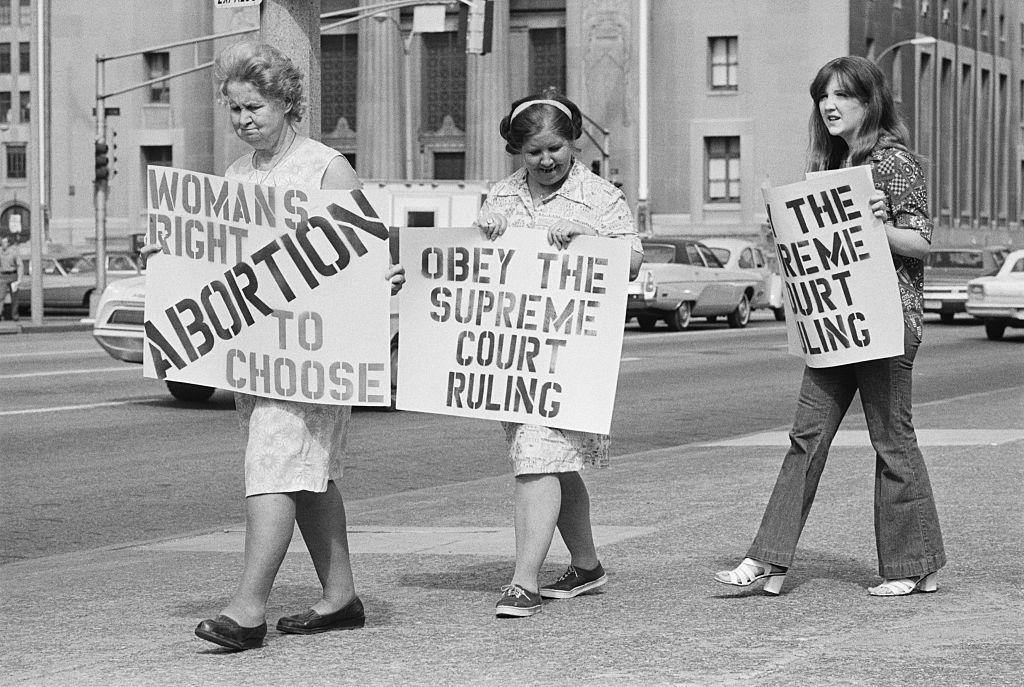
(739, 254)
(947, 271)
(70, 278)
(68, 281)
(120, 318)
(681, 278)
(998, 299)
(120, 263)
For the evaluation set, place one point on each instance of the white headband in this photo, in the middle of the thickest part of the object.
(531, 103)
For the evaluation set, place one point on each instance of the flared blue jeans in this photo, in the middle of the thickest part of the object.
(907, 532)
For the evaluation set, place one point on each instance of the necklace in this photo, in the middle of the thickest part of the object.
(266, 175)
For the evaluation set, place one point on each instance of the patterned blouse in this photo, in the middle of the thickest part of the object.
(584, 198)
(899, 175)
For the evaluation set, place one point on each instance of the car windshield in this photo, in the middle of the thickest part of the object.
(721, 253)
(659, 252)
(77, 265)
(972, 259)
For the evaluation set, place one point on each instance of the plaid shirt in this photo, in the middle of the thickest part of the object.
(900, 176)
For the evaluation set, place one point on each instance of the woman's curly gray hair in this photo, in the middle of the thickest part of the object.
(269, 70)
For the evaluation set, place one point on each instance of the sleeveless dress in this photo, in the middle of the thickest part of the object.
(291, 446)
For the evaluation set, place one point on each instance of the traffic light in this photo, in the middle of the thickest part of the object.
(102, 162)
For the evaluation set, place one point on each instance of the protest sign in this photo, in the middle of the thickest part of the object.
(512, 329)
(843, 302)
(271, 291)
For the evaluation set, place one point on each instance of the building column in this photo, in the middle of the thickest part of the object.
(379, 139)
(487, 101)
(601, 77)
(293, 27)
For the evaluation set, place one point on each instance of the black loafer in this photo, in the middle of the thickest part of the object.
(349, 617)
(225, 631)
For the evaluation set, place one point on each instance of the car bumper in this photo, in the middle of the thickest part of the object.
(119, 330)
(636, 304)
(997, 312)
(120, 344)
(944, 302)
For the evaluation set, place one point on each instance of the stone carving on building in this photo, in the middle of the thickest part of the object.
(607, 56)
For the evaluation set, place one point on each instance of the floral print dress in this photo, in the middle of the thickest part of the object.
(291, 446)
(593, 202)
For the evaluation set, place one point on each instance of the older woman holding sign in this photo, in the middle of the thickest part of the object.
(854, 122)
(555, 193)
(293, 454)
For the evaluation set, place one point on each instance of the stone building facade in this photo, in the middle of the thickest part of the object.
(725, 114)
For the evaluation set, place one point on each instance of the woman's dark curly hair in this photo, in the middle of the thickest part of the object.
(540, 117)
(269, 70)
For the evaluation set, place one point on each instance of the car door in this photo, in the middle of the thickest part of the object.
(716, 294)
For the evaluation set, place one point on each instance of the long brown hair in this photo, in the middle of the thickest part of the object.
(863, 80)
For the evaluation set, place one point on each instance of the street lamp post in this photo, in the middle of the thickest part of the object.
(922, 40)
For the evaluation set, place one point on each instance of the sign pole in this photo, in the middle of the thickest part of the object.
(100, 195)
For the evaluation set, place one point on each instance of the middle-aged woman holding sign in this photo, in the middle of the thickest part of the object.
(555, 193)
(293, 454)
(854, 122)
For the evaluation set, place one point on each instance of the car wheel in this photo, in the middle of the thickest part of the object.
(741, 315)
(679, 319)
(647, 322)
(995, 330)
(190, 393)
(946, 318)
(780, 314)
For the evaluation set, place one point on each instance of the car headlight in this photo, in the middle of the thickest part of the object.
(976, 291)
(650, 287)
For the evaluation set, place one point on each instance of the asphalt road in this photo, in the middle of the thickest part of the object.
(92, 454)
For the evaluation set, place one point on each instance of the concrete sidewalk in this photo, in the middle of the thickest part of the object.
(429, 565)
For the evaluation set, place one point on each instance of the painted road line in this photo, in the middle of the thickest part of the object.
(61, 373)
(84, 406)
(41, 354)
(860, 438)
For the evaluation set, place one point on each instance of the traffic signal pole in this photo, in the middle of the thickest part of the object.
(101, 186)
(100, 194)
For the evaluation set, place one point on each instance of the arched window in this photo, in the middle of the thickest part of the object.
(14, 223)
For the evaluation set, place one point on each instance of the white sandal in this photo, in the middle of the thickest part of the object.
(750, 571)
(907, 585)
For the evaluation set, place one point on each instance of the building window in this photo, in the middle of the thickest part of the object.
(339, 58)
(965, 15)
(25, 12)
(17, 161)
(5, 58)
(722, 169)
(5, 12)
(158, 64)
(547, 59)
(24, 57)
(449, 165)
(723, 62)
(5, 106)
(24, 106)
(444, 80)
